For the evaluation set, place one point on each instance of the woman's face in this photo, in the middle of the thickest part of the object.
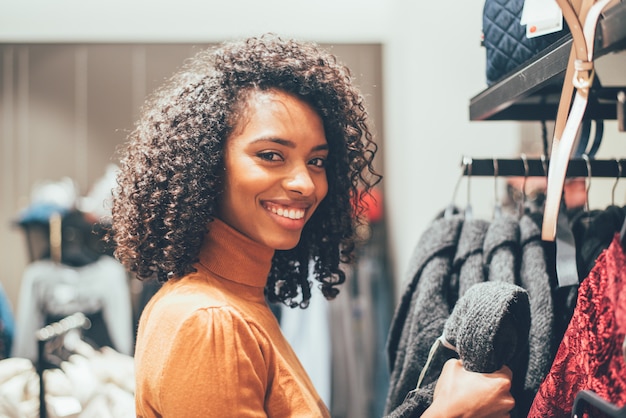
(275, 169)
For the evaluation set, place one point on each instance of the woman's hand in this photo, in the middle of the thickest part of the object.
(460, 393)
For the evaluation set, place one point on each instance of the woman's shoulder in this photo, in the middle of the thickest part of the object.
(200, 303)
(183, 298)
(181, 321)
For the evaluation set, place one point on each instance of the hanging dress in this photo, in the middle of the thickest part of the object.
(590, 354)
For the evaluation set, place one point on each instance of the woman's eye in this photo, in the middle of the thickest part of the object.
(270, 156)
(319, 162)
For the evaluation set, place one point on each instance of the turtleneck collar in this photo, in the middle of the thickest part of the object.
(233, 256)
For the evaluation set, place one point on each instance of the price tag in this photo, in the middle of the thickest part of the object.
(541, 17)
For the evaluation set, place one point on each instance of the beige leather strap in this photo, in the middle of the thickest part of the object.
(570, 13)
(579, 74)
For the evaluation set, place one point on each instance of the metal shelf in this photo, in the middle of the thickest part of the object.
(532, 91)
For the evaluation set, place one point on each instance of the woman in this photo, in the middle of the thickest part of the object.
(240, 175)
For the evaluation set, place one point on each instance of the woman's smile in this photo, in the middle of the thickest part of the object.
(285, 211)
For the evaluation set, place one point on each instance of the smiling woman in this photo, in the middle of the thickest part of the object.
(240, 174)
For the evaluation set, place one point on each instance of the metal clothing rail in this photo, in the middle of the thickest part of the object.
(535, 167)
(50, 333)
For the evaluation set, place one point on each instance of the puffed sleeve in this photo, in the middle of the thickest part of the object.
(216, 368)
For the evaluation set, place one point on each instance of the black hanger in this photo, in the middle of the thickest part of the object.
(587, 401)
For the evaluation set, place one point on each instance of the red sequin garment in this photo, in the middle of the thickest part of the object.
(590, 354)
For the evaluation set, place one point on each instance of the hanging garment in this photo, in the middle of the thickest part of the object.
(513, 254)
(593, 233)
(534, 277)
(423, 309)
(468, 261)
(466, 270)
(505, 251)
(590, 353)
(54, 290)
(501, 250)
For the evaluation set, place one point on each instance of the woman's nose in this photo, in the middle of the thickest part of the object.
(300, 181)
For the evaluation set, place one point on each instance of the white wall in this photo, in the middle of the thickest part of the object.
(189, 20)
(433, 65)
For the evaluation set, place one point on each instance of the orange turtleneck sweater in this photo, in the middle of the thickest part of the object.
(209, 346)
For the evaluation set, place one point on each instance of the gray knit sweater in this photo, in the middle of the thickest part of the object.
(452, 257)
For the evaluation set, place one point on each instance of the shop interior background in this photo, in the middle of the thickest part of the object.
(73, 75)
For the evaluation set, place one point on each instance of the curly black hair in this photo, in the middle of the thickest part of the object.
(171, 170)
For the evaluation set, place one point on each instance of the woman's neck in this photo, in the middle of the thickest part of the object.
(233, 256)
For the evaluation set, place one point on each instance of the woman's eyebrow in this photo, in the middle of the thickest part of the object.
(289, 143)
(321, 147)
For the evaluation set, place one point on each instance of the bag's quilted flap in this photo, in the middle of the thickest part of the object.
(505, 38)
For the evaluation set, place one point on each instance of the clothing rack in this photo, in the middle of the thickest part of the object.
(48, 334)
(535, 167)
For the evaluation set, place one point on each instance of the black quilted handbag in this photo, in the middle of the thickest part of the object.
(505, 38)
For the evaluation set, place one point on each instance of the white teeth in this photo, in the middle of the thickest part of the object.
(288, 213)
